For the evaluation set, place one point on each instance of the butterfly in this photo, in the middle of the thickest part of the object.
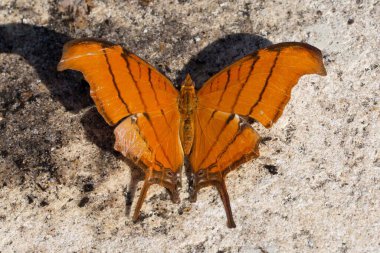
(158, 126)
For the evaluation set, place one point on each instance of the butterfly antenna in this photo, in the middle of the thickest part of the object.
(141, 199)
(222, 189)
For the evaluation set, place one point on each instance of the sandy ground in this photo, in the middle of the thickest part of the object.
(315, 188)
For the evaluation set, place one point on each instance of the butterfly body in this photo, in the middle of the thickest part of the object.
(187, 105)
(157, 126)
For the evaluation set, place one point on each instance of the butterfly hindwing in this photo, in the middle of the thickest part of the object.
(222, 142)
(216, 138)
(151, 138)
(152, 141)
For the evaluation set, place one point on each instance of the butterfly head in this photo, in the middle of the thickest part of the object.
(188, 82)
(187, 101)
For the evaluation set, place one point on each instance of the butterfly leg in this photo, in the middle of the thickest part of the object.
(203, 179)
(165, 178)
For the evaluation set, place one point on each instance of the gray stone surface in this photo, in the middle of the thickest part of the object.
(64, 189)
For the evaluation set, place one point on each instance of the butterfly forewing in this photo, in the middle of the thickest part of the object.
(121, 83)
(259, 85)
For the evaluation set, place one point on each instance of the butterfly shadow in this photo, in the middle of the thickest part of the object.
(101, 134)
(220, 54)
(42, 48)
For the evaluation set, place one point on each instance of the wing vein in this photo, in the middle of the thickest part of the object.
(244, 83)
(114, 83)
(229, 119)
(125, 57)
(266, 83)
(225, 86)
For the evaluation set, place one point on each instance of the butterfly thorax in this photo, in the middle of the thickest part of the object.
(187, 104)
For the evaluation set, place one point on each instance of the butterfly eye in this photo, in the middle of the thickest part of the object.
(201, 173)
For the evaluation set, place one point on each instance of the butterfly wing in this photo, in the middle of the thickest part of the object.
(222, 142)
(125, 88)
(121, 83)
(257, 86)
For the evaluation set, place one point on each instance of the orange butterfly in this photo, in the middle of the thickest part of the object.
(157, 125)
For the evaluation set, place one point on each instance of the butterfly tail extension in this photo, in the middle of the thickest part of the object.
(140, 201)
(203, 179)
(222, 189)
(168, 180)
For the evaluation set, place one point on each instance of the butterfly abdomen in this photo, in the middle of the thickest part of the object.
(187, 104)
